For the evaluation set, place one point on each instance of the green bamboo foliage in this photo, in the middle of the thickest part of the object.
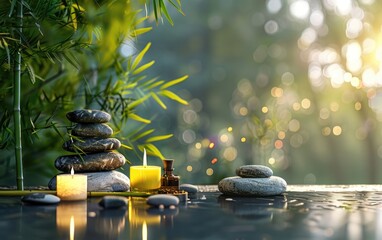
(67, 55)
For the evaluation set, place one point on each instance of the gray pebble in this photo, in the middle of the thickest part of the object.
(91, 145)
(113, 202)
(188, 188)
(165, 200)
(254, 171)
(95, 162)
(40, 199)
(88, 116)
(99, 130)
(237, 186)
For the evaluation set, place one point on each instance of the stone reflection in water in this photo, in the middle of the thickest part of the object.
(255, 209)
(71, 219)
(107, 224)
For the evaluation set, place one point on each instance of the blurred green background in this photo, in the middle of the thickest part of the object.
(294, 85)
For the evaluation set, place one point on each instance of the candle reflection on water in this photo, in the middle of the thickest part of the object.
(144, 219)
(144, 231)
(71, 219)
(140, 220)
(138, 213)
(71, 231)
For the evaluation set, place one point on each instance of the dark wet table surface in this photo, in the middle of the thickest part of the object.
(303, 212)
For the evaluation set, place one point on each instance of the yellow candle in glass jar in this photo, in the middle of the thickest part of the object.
(145, 178)
(72, 187)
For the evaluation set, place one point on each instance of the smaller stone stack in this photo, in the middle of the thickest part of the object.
(96, 154)
(253, 180)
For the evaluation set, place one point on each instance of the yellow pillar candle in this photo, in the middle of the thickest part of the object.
(72, 187)
(145, 178)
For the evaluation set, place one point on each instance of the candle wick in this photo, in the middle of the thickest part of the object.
(144, 158)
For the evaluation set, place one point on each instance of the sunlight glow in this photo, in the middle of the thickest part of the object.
(337, 130)
(300, 9)
(274, 6)
(353, 53)
(341, 7)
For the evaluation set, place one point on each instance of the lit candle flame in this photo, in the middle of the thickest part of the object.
(72, 171)
(144, 158)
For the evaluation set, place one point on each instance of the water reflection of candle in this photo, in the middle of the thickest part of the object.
(71, 228)
(145, 178)
(144, 231)
(140, 219)
(138, 213)
(72, 187)
(71, 219)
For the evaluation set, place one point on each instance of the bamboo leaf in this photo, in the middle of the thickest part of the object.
(138, 101)
(152, 149)
(164, 10)
(126, 146)
(174, 82)
(5, 45)
(78, 7)
(74, 63)
(152, 83)
(137, 118)
(145, 133)
(31, 74)
(159, 138)
(141, 20)
(57, 131)
(143, 68)
(140, 31)
(158, 100)
(139, 57)
(12, 8)
(155, 11)
(177, 7)
(32, 124)
(173, 96)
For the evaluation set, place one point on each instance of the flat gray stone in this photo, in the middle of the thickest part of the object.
(88, 116)
(109, 202)
(40, 199)
(238, 186)
(91, 145)
(100, 130)
(95, 162)
(109, 181)
(254, 171)
(165, 200)
(188, 188)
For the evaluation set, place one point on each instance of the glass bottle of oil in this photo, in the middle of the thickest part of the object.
(169, 181)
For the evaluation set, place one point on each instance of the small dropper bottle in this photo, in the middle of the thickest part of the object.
(169, 181)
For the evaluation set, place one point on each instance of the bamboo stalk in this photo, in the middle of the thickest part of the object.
(16, 193)
(16, 101)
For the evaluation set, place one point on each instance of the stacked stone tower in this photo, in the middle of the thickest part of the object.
(93, 152)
